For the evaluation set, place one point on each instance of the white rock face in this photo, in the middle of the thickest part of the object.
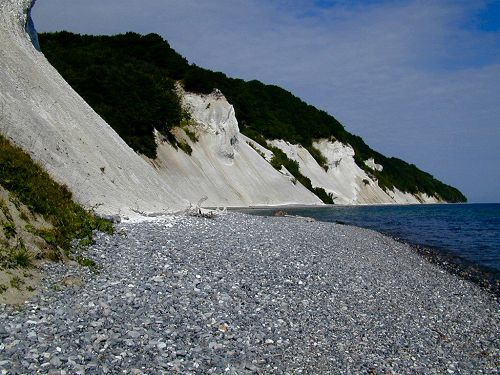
(213, 115)
(348, 183)
(399, 196)
(371, 164)
(43, 115)
(223, 166)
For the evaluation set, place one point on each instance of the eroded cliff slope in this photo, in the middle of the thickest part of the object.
(222, 166)
(43, 115)
(343, 178)
(352, 172)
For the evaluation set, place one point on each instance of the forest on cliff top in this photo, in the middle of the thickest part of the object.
(129, 79)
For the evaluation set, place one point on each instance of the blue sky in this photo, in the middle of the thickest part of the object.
(419, 80)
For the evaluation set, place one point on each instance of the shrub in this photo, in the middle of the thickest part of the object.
(27, 181)
(192, 136)
(185, 147)
(21, 258)
(280, 159)
(9, 229)
(323, 195)
(319, 157)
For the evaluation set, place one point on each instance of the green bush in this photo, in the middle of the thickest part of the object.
(9, 229)
(319, 157)
(185, 147)
(86, 262)
(323, 195)
(29, 183)
(280, 159)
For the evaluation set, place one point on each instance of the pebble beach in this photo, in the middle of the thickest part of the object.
(240, 294)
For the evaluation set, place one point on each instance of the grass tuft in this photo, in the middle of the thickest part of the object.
(21, 258)
(9, 229)
(17, 282)
(86, 262)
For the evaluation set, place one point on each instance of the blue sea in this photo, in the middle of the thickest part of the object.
(467, 235)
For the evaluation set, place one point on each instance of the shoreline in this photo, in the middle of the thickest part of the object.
(325, 205)
(255, 295)
(485, 277)
(458, 266)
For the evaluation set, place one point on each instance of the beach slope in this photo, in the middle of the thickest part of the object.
(241, 294)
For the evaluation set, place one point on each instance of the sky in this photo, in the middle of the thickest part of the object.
(418, 80)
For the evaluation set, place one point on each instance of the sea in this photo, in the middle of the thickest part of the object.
(465, 238)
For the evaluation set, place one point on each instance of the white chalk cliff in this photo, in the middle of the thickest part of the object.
(223, 166)
(232, 170)
(344, 179)
(43, 115)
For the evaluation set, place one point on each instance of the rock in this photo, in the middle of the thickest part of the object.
(3, 332)
(285, 296)
(134, 334)
(280, 213)
(161, 345)
(55, 361)
(214, 345)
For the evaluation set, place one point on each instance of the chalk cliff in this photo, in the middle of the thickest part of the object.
(43, 115)
(223, 166)
(232, 170)
(344, 179)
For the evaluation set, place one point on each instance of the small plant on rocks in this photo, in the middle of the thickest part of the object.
(22, 258)
(9, 229)
(16, 282)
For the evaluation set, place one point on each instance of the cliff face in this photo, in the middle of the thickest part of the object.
(223, 166)
(344, 179)
(43, 115)
(232, 170)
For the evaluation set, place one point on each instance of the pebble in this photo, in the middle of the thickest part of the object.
(241, 294)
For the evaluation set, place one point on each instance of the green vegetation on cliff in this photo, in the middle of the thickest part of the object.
(129, 80)
(123, 79)
(31, 186)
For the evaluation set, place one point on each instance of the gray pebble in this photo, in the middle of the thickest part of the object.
(241, 294)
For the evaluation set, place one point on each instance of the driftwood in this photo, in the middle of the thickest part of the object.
(198, 211)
